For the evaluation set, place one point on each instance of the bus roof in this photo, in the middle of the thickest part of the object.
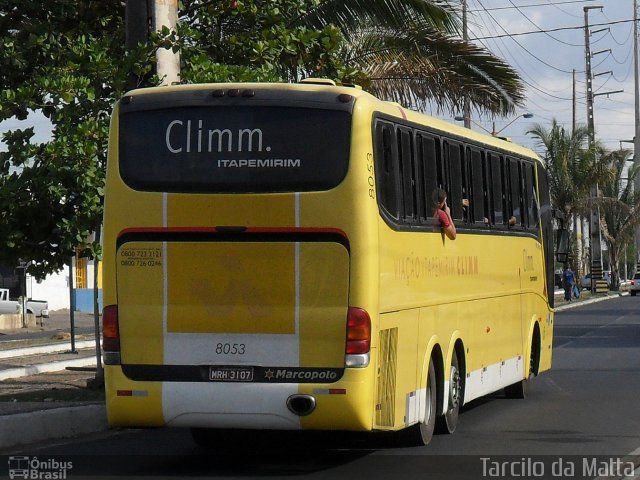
(389, 108)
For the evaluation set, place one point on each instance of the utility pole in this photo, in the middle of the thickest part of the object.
(594, 216)
(165, 14)
(136, 21)
(573, 104)
(140, 17)
(636, 138)
(466, 109)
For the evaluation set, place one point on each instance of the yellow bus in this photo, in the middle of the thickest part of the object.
(271, 261)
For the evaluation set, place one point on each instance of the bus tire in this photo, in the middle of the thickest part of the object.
(422, 432)
(518, 389)
(521, 388)
(447, 423)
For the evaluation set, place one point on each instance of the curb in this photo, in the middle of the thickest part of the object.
(567, 306)
(46, 367)
(51, 348)
(63, 422)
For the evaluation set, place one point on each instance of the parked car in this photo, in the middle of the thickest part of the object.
(634, 286)
(585, 283)
(40, 308)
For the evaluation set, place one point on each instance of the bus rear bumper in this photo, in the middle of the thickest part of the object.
(343, 405)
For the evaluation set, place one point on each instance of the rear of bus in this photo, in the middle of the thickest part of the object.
(229, 250)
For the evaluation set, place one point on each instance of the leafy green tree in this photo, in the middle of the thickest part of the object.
(65, 60)
(619, 207)
(255, 40)
(407, 50)
(412, 53)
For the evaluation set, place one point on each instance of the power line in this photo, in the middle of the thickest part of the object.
(550, 2)
(517, 43)
(490, 27)
(611, 34)
(559, 29)
(538, 27)
(531, 5)
(545, 93)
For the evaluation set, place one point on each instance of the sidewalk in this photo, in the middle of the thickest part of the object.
(43, 385)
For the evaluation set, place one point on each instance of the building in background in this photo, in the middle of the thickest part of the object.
(55, 288)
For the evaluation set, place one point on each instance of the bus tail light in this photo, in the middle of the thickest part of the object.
(110, 335)
(358, 338)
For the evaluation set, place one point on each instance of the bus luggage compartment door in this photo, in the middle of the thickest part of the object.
(259, 304)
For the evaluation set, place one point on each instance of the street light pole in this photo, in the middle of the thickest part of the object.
(524, 115)
(636, 139)
(466, 109)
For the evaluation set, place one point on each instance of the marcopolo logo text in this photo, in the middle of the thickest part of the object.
(301, 375)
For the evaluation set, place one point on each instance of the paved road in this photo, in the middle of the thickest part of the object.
(586, 407)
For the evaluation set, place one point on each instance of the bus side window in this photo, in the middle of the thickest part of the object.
(515, 194)
(532, 204)
(407, 172)
(523, 195)
(506, 194)
(441, 153)
(495, 176)
(429, 158)
(486, 191)
(455, 191)
(477, 200)
(467, 188)
(387, 169)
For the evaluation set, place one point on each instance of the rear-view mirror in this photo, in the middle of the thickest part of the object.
(562, 246)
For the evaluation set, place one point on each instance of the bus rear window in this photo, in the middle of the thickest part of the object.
(226, 149)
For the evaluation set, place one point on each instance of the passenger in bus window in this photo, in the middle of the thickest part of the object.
(442, 213)
(465, 212)
(465, 209)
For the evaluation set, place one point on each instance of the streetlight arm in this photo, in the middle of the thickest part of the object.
(524, 115)
(460, 119)
(494, 133)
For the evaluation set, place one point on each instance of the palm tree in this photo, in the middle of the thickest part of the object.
(572, 168)
(619, 207)
(410, 51)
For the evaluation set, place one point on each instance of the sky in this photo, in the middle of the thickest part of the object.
(543, 40)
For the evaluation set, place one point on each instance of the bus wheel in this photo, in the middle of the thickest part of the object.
(518, 389)
(447, 423)
(421, 433)
(521, 388)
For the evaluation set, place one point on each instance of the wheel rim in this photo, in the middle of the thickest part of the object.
(454, 388)
(428, 412)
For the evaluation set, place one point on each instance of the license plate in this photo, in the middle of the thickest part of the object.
(231, 374)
